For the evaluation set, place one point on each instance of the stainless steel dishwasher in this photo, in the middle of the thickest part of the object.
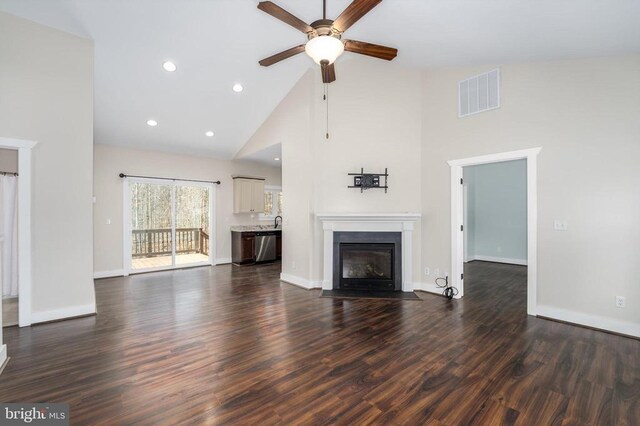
(265, 247)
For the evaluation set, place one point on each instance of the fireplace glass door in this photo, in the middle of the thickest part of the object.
(367, 266)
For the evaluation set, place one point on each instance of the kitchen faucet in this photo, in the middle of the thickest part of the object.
(275, 225)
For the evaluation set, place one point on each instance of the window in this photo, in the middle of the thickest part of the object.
(272, 202)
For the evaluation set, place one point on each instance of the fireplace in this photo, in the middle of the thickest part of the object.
(367, 261)
(345, 228)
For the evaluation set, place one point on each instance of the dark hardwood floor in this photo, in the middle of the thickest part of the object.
(235, 345)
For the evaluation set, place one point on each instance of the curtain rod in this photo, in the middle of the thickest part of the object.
(217, 182)
(9, 173)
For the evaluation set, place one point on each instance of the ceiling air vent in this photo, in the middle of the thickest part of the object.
(479, 93)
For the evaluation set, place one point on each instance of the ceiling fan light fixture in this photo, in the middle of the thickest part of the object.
(324, 48)
(169, 66)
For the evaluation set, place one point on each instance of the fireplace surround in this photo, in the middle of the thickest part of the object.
(401, 224)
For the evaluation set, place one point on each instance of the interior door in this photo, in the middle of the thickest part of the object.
(465, 222)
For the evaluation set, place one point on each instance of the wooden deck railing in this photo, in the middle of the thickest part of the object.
(157, 242)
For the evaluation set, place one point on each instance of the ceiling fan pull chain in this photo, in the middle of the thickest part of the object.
(326, 97)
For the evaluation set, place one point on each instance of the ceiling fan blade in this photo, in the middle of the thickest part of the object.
(353, 13)
(282, 55)
(328, 73)
(375, 50)
(278, 12)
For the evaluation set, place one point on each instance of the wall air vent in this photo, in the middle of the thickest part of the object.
(479, 93)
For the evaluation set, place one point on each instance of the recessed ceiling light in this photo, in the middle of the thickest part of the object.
(277, 159)
(237, 87)
(169, 66)
(209, 133)
(152, 123)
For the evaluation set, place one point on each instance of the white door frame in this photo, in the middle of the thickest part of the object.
(457, 212)
(24, 148)
(126, 223)
(465, 220)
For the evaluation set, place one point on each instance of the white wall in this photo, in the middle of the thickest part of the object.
(110, 161)
(9, 160)
(584, 115)
(290, 124)
(375, 122)
(46, 87)
(497, 211)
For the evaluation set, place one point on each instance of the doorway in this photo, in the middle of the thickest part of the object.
(495, 230)
(168, 224)
(24, 149)
(458, 217)
(9, 235)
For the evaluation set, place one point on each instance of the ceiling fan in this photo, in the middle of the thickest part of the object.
(324, 37)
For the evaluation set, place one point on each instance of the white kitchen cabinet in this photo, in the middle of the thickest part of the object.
(248, 195)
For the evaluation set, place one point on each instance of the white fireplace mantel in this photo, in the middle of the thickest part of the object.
(369, 222)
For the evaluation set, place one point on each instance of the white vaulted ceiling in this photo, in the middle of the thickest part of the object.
(217, 43)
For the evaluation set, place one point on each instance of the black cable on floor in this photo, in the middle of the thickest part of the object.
(449, 292)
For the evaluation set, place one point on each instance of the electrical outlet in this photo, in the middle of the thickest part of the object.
(293, 265)
(620, 301)
(426, 270)
(560, 225)
(499, 249)
(436, 272)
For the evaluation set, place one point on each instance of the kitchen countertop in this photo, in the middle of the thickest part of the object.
(255, 228)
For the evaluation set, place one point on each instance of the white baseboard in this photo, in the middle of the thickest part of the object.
(3, 356)
(497, 260)
(428, 287)
(594, 321)
(108, 274)
(120, 272)
(58, 314)
(300, 282)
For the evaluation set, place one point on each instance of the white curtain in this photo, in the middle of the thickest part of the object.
(9, 232)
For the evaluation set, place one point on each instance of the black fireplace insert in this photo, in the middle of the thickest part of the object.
(367, 261)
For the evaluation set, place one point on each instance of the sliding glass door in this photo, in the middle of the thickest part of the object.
(151, 224)
(169, 224)
(192, 224)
